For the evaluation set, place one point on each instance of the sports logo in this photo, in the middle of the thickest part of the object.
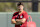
(21, 16)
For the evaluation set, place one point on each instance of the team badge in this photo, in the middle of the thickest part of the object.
(21, 16)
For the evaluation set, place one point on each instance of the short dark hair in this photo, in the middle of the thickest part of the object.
(20, 3)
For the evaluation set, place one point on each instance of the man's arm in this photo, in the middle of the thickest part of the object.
(13, 21)
(21, 21)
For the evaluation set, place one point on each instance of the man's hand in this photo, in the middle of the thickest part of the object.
(21, 21)
(17, 23)
(13, 21)
(17, 20)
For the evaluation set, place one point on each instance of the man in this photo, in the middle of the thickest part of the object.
(20, 18)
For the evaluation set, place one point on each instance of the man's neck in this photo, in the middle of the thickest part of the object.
(20, 12)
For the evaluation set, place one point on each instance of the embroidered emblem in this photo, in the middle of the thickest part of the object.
(21, 16)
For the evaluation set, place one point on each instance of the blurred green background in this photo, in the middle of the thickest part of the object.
(12, 6)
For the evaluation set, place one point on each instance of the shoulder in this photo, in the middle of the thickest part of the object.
(15, 13)
(25, 12)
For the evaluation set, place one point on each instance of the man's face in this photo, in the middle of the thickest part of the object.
(20, 8)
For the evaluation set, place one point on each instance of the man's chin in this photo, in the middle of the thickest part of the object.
(19, 11)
